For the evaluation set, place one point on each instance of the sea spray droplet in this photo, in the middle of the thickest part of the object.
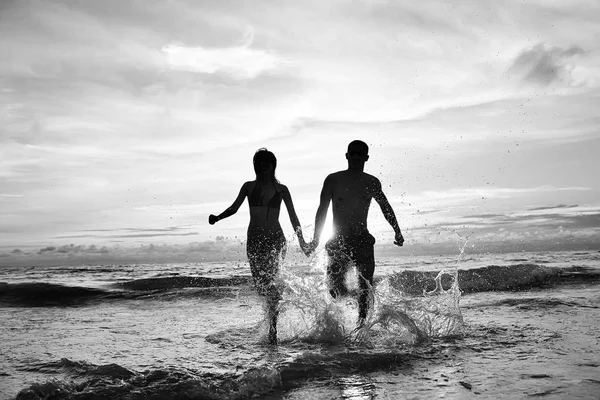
(308, 313)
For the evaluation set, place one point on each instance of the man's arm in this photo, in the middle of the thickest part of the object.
(387, 211)
(326, 194)
(233, 208)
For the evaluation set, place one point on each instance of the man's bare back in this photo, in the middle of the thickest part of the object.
(351, 193)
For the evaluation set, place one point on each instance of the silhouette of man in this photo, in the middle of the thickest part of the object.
(350, 193)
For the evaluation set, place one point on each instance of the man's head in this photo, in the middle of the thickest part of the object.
(358, 154)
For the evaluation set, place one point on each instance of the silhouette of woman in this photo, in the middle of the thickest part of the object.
(266, 242)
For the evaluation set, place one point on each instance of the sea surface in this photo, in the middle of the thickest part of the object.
(481, 326)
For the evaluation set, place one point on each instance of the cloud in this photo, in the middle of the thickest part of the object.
(132, 233)
(112, 111)
(554, 207)
(510, 232)
(579, 220)
(169, 229)
(469, 128)
(543, 65)
(241, 62)
(129, 236)
(462, 195)
(221, 249)
(483, 216)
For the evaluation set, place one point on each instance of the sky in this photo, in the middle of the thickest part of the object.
(125, 123)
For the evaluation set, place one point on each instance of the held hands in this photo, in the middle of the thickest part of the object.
(399, 239)
(303, 245)
(212, 219)
(307, 248)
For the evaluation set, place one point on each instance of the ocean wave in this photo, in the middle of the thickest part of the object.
(80, 270)
(490, 278)
(537, 303)
(178, 282)
(39, 294)
(495, 278)
(411, 282)
(115, 382)
(80, 369)
(112, 381)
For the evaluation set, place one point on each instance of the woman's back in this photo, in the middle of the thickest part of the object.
(264, 199)
(266, 243)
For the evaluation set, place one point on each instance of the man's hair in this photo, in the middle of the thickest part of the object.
(359, 143)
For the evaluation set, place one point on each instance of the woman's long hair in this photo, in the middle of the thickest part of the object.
(261, 155)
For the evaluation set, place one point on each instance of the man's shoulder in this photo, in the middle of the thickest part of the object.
(372, 178)
(347, 175)
(334, 176)
(369, 176)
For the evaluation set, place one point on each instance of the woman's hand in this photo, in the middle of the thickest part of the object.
(303, 245)
(212, 219)
(307, 248)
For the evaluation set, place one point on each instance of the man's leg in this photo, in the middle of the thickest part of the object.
(365, 266)
(337, 265)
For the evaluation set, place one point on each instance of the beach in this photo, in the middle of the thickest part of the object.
(492, 326)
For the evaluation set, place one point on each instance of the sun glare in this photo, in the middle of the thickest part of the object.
(327, 231)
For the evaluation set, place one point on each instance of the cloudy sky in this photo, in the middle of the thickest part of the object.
(125, 123)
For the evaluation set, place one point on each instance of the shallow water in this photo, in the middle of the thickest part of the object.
(166, 336)
(515, 346)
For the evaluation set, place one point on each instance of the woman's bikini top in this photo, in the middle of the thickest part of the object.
(256, 198)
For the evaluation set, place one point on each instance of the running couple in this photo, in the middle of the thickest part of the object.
(350, 193)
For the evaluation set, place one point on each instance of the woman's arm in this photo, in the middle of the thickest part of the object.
(289, 204)
(212, 219)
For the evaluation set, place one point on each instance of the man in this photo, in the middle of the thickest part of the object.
(350, 193)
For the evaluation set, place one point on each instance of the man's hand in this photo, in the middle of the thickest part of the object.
(212, 219)
(305, 248)
(399, 240)
(309, 248)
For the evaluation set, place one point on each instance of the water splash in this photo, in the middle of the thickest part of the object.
(307, 311)
(309, 314)
(435, 313)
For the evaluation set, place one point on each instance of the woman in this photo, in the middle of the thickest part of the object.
(266, 242)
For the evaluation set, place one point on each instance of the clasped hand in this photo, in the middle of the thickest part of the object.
(307, 248)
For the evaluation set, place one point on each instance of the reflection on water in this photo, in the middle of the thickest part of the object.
(356, 387)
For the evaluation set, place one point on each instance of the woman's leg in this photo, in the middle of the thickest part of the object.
(264, 254)
(274, 296)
